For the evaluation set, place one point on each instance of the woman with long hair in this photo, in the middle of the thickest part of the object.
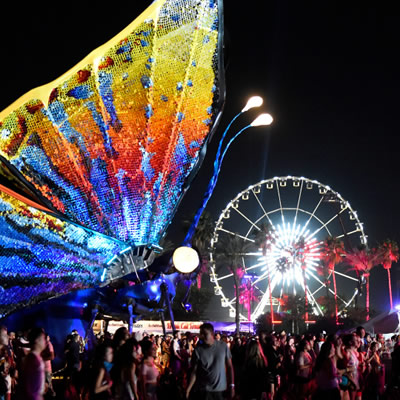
(375, 379)
(326, 374)
(304, 366)
(255, 372)
(126, 371)
(102, 364)
(351, 372)
(148, 377)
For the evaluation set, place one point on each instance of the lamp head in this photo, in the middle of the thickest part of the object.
(262, 119)
(185, 259)
(255, 101)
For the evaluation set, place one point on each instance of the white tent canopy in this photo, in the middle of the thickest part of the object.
(387, 322)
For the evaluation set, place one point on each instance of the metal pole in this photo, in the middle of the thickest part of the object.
(163, 322)
(169, 305)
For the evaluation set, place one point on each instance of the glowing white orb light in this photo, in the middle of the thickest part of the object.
(255, 101)
(262, 119)
(185, 259)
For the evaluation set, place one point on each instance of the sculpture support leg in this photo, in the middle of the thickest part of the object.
(90, 327)
(163, 322)
(169, 305)
(130, 324)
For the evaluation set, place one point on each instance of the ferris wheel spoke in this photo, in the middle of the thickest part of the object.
(346, 276)
(280, 202)
(263, 209)
(235, 234)
(324, 226)
(319, 288)
(280, 297)
(260, 290)
(247, 219)
(247, 269)
(314, 301)
(330, 290)
(348, 233)
(352, 298)
(260, 306)
(261, 277)
(256, 266)
(312, 214)
(298, 203)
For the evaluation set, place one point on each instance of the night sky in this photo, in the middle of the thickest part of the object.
(329, 75)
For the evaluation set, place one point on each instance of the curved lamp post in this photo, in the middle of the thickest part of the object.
(186, 259)
(261, 120)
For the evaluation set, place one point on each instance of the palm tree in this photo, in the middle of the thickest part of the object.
(295, 310)
(362, 261)
(201, 241)
(332, 255)
(388, 252)
(263, 239)
(230, 252)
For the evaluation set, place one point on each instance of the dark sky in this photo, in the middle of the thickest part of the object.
(329, 74)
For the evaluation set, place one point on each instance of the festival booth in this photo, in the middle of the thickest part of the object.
(155, 327)
(149, 327)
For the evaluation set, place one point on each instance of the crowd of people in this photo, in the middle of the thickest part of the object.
(210, 365)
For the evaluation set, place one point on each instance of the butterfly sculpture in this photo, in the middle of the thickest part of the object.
(101, 157)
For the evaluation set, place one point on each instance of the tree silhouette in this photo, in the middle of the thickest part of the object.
(388, 253)
(229, 253)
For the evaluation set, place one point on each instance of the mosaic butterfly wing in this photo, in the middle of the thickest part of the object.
(42, 256)
(111, 145)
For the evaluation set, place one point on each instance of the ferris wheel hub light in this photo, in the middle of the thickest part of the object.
(255, 101)
(185, 259)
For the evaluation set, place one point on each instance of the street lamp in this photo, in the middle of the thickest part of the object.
(262, 120)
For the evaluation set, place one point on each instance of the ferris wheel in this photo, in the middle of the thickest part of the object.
(301, 214)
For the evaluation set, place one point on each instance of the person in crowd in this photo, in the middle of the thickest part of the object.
(311, 339)
(375, 379)
(289, 366)
(158, 360)
(125, 373)
(212, 369)
(121, 335)
(360, 331)
(304, 366)
(176, 359)
(101, 386)
(32, 381)
(326, 374)
(351, 372)
(254, 385)
(185, 355)
(319, 342)
(48, 356)
(274, 361)
(166, 351)
(149, 374)
(238, 357)
(73, 363)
